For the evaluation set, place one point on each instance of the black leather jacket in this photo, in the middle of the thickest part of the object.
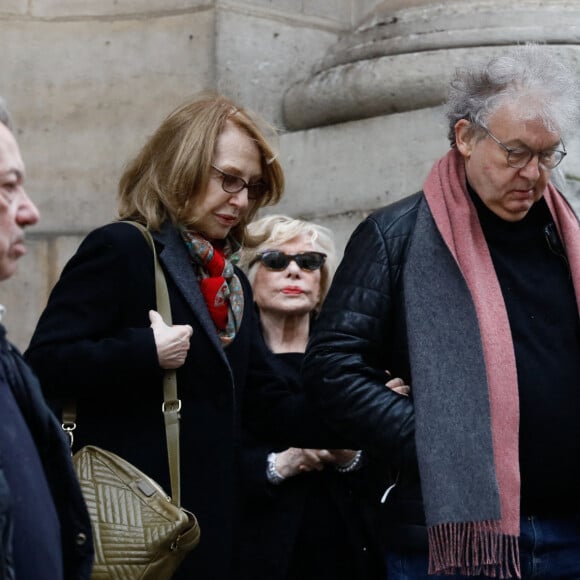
(359, 335)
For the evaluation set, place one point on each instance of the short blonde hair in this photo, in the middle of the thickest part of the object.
(272, 231)
(172, 170)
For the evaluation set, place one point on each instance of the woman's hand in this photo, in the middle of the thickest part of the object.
(341, 456)
(295, 460)
(172, 342)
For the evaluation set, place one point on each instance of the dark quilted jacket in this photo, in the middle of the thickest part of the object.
(360, 334)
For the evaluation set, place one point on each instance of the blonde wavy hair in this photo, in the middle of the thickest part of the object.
(270, 232)
(172, 170)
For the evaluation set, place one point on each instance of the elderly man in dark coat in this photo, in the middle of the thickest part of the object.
(45, 531)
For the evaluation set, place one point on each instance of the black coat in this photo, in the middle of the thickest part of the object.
(94, 344)
(314, 525)
(54, 452)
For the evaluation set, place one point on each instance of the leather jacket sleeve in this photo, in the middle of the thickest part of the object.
(358, 337)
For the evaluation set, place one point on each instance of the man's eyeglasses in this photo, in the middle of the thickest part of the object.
(520, 157)
(235, 184)
(276, 260)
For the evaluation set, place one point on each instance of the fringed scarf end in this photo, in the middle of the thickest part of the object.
(473, 549)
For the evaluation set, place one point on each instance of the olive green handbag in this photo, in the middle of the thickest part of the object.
(140, 533)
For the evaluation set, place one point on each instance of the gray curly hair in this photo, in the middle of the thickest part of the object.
(530, 74)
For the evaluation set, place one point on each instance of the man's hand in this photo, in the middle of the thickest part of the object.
(172, 342)
(399, 386)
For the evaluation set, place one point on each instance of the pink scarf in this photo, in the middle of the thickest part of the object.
(455, 547)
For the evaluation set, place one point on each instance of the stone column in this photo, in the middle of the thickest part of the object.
(368, 123)
(402, 56)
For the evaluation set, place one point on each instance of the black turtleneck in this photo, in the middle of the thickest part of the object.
(539, 296)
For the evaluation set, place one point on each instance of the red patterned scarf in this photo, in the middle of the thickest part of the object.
(219, 284)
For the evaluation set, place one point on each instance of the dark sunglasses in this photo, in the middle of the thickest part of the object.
(276, 260)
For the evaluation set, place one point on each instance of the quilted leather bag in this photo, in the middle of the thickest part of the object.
(140, 533)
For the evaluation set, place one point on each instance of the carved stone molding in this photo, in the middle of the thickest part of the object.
(401, 60)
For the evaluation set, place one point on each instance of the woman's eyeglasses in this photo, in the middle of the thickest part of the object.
(276, 260)
(235, 184)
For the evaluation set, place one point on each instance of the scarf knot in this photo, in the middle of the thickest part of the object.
(218, 282)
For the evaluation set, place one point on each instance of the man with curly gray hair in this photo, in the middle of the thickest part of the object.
(470, 290)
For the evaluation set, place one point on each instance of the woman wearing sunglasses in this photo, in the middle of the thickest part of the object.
(195, 184)
(303, 518)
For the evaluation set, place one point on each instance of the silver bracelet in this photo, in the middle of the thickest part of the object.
(272, 473)
(354, 464)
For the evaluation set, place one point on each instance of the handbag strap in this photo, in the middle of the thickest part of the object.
(171, 406)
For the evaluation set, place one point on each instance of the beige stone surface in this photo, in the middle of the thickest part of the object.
(289, 7)
(12, 7)
(387, 84)
(88, 80)
(402, 54)
(362, 165)
(339, 10)
(86, 93)
(75, 8)
(25, 294)
(257, 58)
(362, 8)
(418, 26)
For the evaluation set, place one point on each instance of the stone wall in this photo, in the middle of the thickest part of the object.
(355, 87)
(88, 80)
(367, 121)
